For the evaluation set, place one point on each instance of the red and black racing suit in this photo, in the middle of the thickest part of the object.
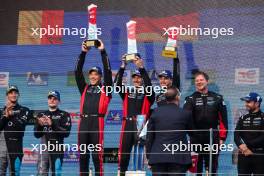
(93, 108)
(160, 98)
(209, 111)
(134, 103)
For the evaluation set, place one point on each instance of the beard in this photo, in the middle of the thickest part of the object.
(250, 109)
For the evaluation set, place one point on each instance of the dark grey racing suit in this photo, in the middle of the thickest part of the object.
(12, 131)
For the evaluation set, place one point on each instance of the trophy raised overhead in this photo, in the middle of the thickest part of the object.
(92, 30)
(131, 41)
(170, 50)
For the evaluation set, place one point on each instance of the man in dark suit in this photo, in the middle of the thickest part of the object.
(164, 141)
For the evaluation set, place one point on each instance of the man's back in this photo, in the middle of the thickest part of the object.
(162, 131)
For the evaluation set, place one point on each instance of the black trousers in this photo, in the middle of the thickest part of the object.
(91, 131)
(169, 169)
(127, 140)
(204, 156)
(203, 161)
(15, 161)
(253, 164)
(56, 161)
(15, 155)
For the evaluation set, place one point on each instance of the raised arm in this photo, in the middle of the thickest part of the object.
(147, 83)
(176, 81)
(146, 79)
(79, 77)
(106, 64)
(119, 79)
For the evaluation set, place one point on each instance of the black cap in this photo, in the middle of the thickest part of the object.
(96, 69)
(136, 73)
(252, 96)
(11, 88)
(54, 93)
(166, 74)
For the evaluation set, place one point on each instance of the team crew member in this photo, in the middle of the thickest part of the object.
(250, 143)
(52, 126)
(167, 80)
(134, 103)
(209, 111)
(93, 108)
(12, 123)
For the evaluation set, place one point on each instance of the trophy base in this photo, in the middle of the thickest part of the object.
(92, 43)
(169, 52)
(131, 57)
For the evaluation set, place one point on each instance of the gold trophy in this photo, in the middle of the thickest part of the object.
(170, 50)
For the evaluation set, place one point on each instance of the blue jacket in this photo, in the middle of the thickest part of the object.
(161, 144)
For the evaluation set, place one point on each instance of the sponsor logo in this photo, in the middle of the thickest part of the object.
(111, 155)
(247, 76)
(4, 79)
(75, 117)
(30, 157)
(37, 79)
(114, 117)
(71, 156)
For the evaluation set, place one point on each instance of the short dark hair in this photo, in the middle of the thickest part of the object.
(172, 93)
(205, 75)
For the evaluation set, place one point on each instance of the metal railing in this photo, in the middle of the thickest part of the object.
(114, 168)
